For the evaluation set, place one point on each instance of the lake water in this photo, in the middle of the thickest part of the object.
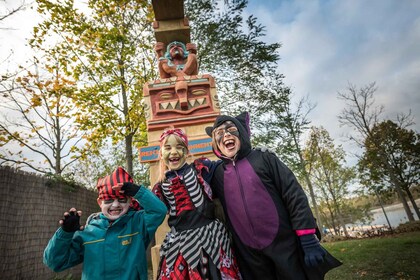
(396, 215)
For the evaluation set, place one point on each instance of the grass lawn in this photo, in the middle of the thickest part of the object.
(395, 257)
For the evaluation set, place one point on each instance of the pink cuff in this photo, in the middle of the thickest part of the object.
(300, 232)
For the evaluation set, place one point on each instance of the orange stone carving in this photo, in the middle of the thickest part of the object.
(180, 101)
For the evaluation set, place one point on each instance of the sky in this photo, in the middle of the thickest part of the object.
(325, 46)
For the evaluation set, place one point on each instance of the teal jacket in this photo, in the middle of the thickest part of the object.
(109, 252)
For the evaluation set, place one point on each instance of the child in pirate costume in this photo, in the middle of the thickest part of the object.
(267, 211)
(198, 245)
(113, 243)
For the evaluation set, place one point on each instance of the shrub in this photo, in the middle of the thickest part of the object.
(408, 227)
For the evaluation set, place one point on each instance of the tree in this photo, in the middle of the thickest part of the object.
(331, 176)
(281, 127)
(39, 122)
(246, 72)
(402, 150)
(231, 49)
(362, 115)
(95, 166)
(108, 51)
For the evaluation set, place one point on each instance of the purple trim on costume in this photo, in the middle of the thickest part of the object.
(300, 232)
(250, 207)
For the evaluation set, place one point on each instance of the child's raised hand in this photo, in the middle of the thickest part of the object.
(127, 188)
(71, 221)
(118, 187)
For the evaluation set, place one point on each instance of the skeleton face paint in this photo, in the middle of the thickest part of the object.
(114, 208)
(227, 139)
(174, 153)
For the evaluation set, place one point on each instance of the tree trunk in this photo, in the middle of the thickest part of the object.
(334, 226)
(341, 222)
(400, 193)
(383, 209)
(343, 225)
(129, 153)
(311, 191)
(413, 202)
(315, 205)
(404, 203)
(398, 188)
(58, 142)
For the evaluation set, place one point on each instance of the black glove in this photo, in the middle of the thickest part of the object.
(314, 253)
(130, 189)
(71, 222)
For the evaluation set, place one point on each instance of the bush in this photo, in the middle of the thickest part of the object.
(333, 238)
(65, 181)
(408, 227)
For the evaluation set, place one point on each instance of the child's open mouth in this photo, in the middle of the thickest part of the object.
(115, 212)
(229, 144)
(174, 160)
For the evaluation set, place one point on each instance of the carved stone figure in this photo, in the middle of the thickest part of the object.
(178, 60)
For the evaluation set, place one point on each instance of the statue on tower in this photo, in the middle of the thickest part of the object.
(181, 95)
(178, 60)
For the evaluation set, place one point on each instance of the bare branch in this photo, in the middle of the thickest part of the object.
(19, 163)
(12, 11)
(404, 120)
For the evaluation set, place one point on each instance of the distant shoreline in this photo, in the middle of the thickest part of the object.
(395, 206)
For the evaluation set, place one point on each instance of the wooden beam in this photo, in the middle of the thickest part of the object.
(168, 9)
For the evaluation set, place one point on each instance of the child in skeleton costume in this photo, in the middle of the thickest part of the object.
(267, 211)
(198, 245)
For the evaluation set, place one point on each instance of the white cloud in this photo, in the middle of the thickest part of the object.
(14, 34)
(327, 44)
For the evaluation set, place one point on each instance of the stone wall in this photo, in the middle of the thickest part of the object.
(30, 207)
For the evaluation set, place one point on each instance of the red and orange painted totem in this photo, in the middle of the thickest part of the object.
(181, 97)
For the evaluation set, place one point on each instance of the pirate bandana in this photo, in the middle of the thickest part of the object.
(105, 184)
(176, 131)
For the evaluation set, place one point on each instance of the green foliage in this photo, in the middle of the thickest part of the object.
(106, 47)
(326, 166)
(362, 115)
(68, 182)
(232, 49)
(397, 146)
(107, 50)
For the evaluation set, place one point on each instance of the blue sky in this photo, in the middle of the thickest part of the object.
(328, 44)
(325, 46)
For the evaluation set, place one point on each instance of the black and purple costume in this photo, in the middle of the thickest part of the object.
(266, 211)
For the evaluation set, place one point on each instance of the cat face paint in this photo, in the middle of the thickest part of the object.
(227, 139)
